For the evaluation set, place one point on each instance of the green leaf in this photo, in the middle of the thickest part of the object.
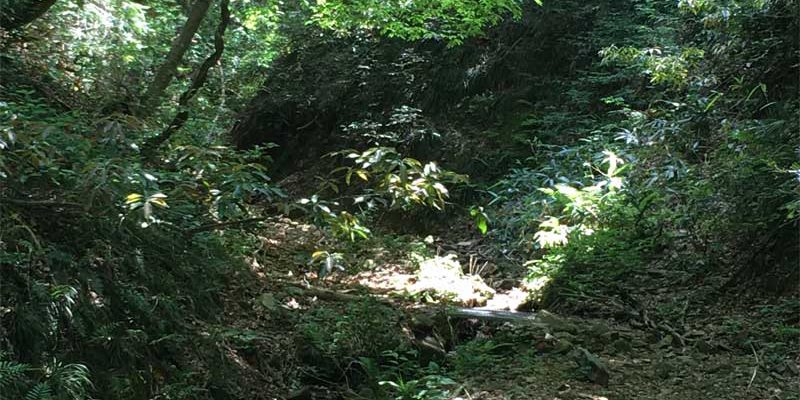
(133, 198)
(483, 226)
(267, 300)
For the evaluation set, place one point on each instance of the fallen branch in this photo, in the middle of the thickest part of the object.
(454, 312)
(662, 327)
(755, 369)
(493, 315)
(332, 295)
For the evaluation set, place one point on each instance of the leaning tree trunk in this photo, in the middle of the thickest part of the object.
(151, 145)
(15, 14)
(167, 70)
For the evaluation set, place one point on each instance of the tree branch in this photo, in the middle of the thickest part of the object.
(41, 203)
(16, 14)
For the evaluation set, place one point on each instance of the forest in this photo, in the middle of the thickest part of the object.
(399, 199)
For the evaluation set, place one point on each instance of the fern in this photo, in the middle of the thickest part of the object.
(11, 372)
(70, 379)
(41, 391)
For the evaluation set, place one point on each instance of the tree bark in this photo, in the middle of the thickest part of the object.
(16, 14)
(151, 145)
(167, 70)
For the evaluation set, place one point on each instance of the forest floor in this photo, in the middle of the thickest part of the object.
(687, 342)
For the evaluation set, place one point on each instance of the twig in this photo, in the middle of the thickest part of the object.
(755, 369)
(674, 334)
(307, 125)
(41, 203)
(683, 312)
(590, 396)
(660, 327)
(601, 298)
(211, 227)
(469, 396)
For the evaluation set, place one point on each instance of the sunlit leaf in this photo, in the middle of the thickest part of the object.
(133, 198)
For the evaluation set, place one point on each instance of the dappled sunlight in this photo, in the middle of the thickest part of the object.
(393, 278)
(435, 279)
(537, 284)
(399, 200)
(512, 300)
(442, 278)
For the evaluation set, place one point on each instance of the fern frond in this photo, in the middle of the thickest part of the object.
(70, 379)
(41, 391)
(10, 372)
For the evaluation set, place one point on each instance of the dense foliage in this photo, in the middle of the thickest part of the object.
(586, 141)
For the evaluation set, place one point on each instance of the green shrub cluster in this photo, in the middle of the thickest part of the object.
(105, 266)
(702, 122)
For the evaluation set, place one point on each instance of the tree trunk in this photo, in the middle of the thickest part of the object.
(15, 13)
(167, 70)
(151, 145)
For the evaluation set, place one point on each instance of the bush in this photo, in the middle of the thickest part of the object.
(332, 339)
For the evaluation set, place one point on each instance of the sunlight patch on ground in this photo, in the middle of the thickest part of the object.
(442, 278)
(533, 287)
(439, 279)
(386, 278)
(512, 300)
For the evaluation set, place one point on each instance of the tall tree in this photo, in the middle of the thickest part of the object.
(15, 14)
(167, 70)
(151, 145)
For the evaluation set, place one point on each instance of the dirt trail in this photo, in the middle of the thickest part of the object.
(547, 357)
